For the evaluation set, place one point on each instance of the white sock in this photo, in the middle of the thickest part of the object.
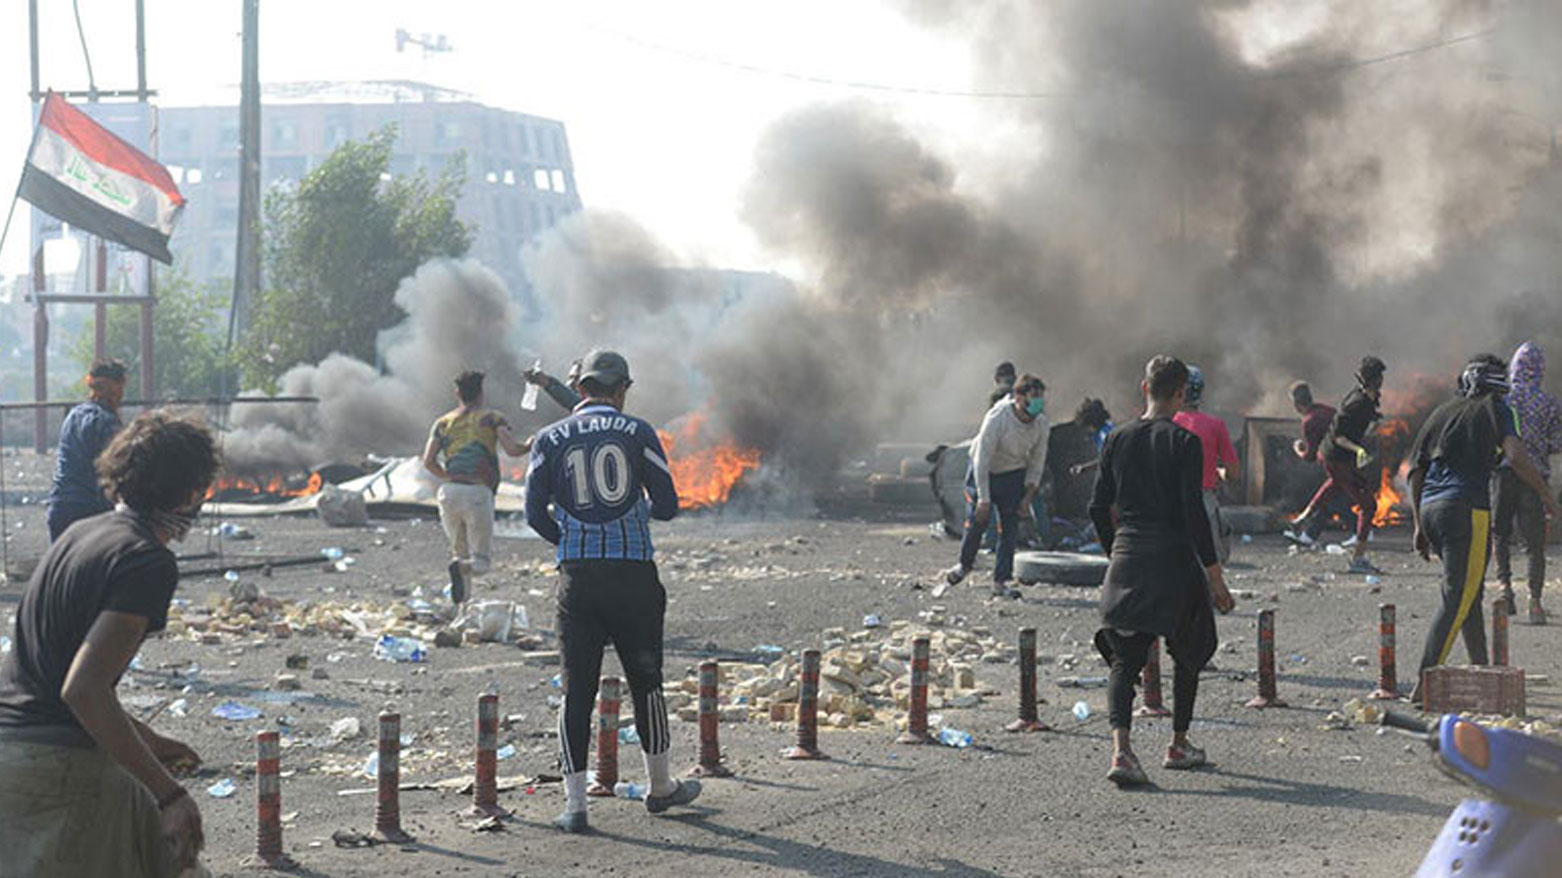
(575, 792)
(657, 768)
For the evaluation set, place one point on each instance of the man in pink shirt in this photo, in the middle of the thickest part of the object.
(1219, 455)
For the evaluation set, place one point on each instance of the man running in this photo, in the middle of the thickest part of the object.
(1316, 418)
(84, 434)
(1345, 456)
(1451, 467)
(1008, 457)
(462, 453)
(597, 467)
(1220, 456)
(1540, 429)
(1148, 510)
(85, 788)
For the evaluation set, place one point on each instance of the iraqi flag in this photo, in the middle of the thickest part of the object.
(84, 174)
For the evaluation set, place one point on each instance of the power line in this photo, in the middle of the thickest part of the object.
(1000, 94)
(81, 34)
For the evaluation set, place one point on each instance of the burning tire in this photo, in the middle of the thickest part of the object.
(1060, 568)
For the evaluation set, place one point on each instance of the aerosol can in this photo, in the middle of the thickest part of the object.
(1510, 829)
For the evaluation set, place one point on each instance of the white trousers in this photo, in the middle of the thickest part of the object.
(467, 512)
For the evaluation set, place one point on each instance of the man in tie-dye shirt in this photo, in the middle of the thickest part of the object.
(1540, 429)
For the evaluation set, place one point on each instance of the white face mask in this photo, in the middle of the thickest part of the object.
(175, 523)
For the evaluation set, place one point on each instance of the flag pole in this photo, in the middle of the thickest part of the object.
(17, 195)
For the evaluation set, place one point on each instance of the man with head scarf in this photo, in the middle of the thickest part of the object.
(84, 434)
(1540, 429)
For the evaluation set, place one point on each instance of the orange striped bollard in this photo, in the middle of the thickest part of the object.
(1150, 680)
(1499, 632)
(387, 805)
(916, 713)
(807, 711)
(610, 693)
(710, 746)
(268, 804)
(485, 786)
(1267, 693)
(1388, 672)
(1029, 720)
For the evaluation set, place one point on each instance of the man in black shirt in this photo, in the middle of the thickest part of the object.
(1452, 462)
(85, 790)
(1345, 455)
(1148, 510)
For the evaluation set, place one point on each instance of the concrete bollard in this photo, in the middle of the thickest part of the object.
(1267, 696)
(387, 805)
(268, 804)
(610, 693)
(1388, 673)
(485, 786)
(916, 715)
(1150, 680)
(710, 718)
(1029, 720)
(1499, 632)
(807, 711)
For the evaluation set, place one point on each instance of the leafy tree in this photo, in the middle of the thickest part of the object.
(336, 247)
(189, 325)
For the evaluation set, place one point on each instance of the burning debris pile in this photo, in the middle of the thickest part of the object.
(864, 677)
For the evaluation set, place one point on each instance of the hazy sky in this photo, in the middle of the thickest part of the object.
(655, 130)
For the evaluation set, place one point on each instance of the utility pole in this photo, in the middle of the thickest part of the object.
(246, 283)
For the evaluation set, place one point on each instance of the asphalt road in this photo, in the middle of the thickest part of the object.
(1284, 797)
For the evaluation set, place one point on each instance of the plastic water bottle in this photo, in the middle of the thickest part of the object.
(1081, 711)
(399, 649)
(628, 789)
(334, 553)
(529, 395)
(954, 738)
(628, 735)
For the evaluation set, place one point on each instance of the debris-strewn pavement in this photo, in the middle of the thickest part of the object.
(1291, 792)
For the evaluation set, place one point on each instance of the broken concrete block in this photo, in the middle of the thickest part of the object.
(339, 508)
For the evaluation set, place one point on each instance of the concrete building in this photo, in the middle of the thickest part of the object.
(520, 179)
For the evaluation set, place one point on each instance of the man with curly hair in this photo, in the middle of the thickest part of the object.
(85, 789)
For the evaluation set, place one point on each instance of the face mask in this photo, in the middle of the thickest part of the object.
(175, 523)
(1035, 406)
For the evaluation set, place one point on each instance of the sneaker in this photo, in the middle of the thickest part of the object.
(1301, 538)
(573, 822)
(1537, 613)
(956, 574)
(1004, 590)
(1126, 772)
(1506, 596)
(457, 583)
(686, 792)
(1182, 759)
(1362, 565)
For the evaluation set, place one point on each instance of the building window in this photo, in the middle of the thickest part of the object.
(192, 176)
(540, 179)
(491, 177)
(558, 182)
(537, 142)
(558, 145)
(284, 135)
(335, 134)
(509, 177)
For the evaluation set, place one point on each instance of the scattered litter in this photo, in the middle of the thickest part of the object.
(1374, 579)
(371, 766)
(628, 735)
(1352, 759)
(872, 620)
(222, 789)
(399, 649)
(232, 710)
(955, 738)
(487, 824)
(346, 729)
(231, 576)
(628, 789)
(1360, 661)
(234, 531)
(1082, 682)
(1081, 711)
(334, 553)
(1335, 549)
(1247, 538)
(505, 752)
(764, 650)
(5, 645)
(178, 707)
(352, 838)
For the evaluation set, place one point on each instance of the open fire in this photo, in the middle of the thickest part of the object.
(704, 469)
(238, 488)
(1393, 443)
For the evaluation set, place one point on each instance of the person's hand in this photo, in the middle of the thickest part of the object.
(182, 828)
(176, 756)
(1362, 458)
(1422, 544)
(984, 511)
(1218, 592)
(535, 376)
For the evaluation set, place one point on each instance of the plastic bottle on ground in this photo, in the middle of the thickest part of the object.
(1081, 711)
(954, 738)
(628, 789)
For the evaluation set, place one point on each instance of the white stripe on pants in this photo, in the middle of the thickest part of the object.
(467, 512)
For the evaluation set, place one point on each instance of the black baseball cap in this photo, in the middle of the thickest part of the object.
(607, 368)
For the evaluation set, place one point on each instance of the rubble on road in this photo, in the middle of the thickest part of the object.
(864, 678)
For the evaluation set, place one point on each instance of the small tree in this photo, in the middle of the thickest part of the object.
(189, 324)
(336, 247)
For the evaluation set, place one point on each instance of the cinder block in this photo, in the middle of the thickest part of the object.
(1498, 690)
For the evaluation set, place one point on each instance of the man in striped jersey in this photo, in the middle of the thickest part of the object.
(597, 468)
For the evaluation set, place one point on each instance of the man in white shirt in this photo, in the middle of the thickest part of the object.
(1008, 457)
